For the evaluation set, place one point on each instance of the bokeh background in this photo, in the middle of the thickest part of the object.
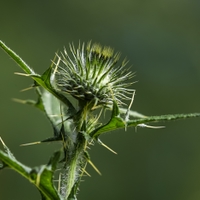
(161, 38)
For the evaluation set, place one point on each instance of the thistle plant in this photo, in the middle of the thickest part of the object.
(93, 76)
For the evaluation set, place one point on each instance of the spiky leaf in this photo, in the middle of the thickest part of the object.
(41, 176)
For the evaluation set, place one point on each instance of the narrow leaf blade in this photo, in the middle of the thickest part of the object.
(16, 58)
(118, 122)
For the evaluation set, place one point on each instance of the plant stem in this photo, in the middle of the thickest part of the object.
(71, 172)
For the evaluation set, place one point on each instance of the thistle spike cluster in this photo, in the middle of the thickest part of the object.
(92, 74)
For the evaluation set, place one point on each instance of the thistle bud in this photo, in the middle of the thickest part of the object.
(91, 74)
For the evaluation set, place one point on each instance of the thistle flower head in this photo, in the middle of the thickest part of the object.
(92, 74)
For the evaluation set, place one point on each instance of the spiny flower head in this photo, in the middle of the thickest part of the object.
(92, 74)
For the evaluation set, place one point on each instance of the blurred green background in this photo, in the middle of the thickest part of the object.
(161, 38)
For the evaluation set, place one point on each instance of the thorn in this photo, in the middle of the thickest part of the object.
(6, 149)
(2, 142)
(148, 126)
(128, 110)
(19, 100)
(54, 72)
(25, 89)
(22, 74)
(94, 167)
(31, 102)
(101, 143)
(83, 170)
(31, 143)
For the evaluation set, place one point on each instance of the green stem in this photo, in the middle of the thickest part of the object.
(72, 171)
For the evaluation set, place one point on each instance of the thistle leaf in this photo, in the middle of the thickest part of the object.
(116, 122)
(17, 59)
(41, 176)
(44, 80)
(161, 118)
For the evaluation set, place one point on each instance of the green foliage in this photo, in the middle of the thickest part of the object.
(78, 127)
(41, 176)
